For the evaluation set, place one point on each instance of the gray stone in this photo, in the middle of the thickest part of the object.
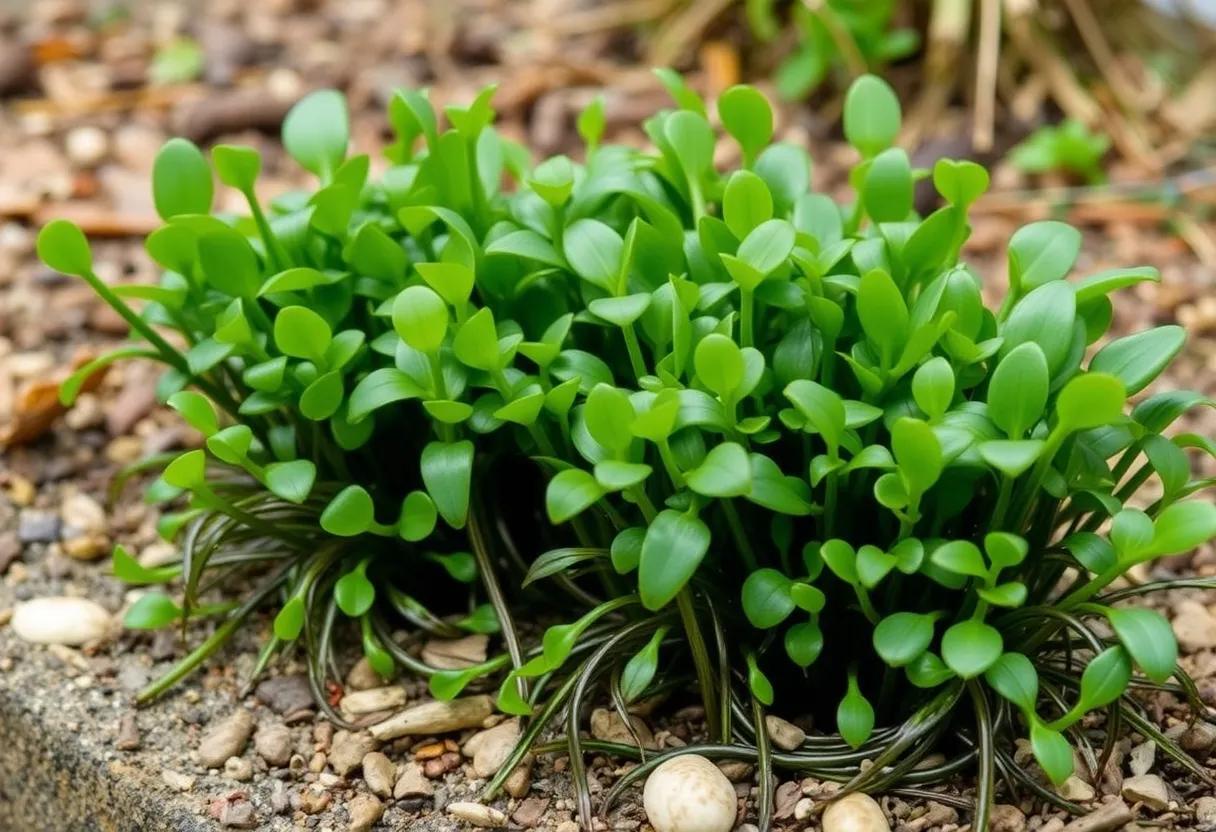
(412, 782)
(1205, 812)
(379, 773)
(1148, 789)
(284, 694)
(785, 735)
(365, 811)
(37, 526)
(273, 743)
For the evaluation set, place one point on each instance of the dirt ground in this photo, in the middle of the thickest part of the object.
(86, 98)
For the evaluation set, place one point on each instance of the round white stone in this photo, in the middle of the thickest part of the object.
(688, 793)
(67, 621)
(855, 813)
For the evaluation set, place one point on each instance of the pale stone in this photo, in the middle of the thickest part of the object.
(456, 653)
(412, 782)
(1005, 817)
(1205, 812)
(491, 748)
(436, 718)
(1148, 789)
(61, 620)
(379, 773)
(373, 699)
(227, 739)
(1140, 759)
(365, 811)
(348, 751)
(274, 744)
(608, 726)
(785, 735)
(1075, 789)
(1194, 626)
(688, 793)
(477, 814)
(855, 813)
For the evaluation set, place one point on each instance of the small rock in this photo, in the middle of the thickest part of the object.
(86, 547)
(567, 826)
(785, 735)
(1075, 789)
(1148, 789)
(411, 782)
(519, 781)
(273, 743)
(314, 800)
(176, 780)
(1107, 817)
(491, 748)
(226, 740)
(238, 769)
(688, 793)
(1005, 817)
(284, 694)
(1140, 759)
(1199, 739)
(348, 751)
(1194, 626)
(436, 718)
(477, 814)
(81, 514)
(530, 811)
(373, 699)
(37, 526)
(855, 812)
(457, 653)
(365, 810)
(608, 726)
(379, 773)
(128, 733)
(61, 620)
(363, 677)
(86, 146)
(736, 771)
(1205, 812)
(238, 814)
(803, 808)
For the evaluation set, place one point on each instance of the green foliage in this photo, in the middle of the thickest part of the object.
(1069, 147)
(761, 413)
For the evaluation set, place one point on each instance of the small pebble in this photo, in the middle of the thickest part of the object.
(226, 739)
(365, 811)
(86, 146)
(688, 793)
(61, 620)
(855, 813)
(238, 769)
(477, 814)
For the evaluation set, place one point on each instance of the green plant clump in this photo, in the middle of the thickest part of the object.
(1069, 147)
(779, 444)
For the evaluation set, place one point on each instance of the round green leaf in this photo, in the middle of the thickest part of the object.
(1013, 676)
(420, 317)
(354, 593)
(672, 550)
(316, 132)
(64, 248)
(766, 598)
(181, 180)
(901, 637)
(1090, 401)
(971, 647)
(871, 115)
(747, 116)
(349, 513)
(301, 333)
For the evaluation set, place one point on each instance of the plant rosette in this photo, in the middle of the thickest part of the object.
(782, 445)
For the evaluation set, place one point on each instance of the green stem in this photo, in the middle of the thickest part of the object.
(669, 463)
(634, 348)
(747, 312)
(700, 659)
(737, 531)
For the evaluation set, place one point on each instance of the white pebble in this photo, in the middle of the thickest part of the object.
(855, 813)
(86, 146)
(688, 793)
(61, 620)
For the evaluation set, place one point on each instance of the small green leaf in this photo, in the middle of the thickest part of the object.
(349, 513)
(354, 593)
(1139, 358)
(1148, 638)
(418, 516)
(301, 333)
(1017, 390)
(316, 132)
(639, 671)
(64, 248)
(571, 492)
(291, 480)
(803, 643)
(476, 342)
(181, 180)
(196, 409)
(187, 471)
(1105, 679)
(1052, 751)
(971, 647)
(152, 611)
(933, 387)
(290, 619)
(447, 471)
(747, 116)
(725, 472)
(1042, 252)
(237, 167)
(1182, 526)
(1090, 401)
(746, 203)
(766, 598)
(962, 557)
(902, 637)
(854, 715)
(672, 550)
(871, 115)
(1013, 676)
(421, 317)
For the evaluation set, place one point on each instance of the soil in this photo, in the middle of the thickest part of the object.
(81, 120)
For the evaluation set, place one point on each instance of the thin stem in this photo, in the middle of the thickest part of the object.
(634, 348)
(987, 761)
(700, 659)
(742, 541)
(747, 314)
